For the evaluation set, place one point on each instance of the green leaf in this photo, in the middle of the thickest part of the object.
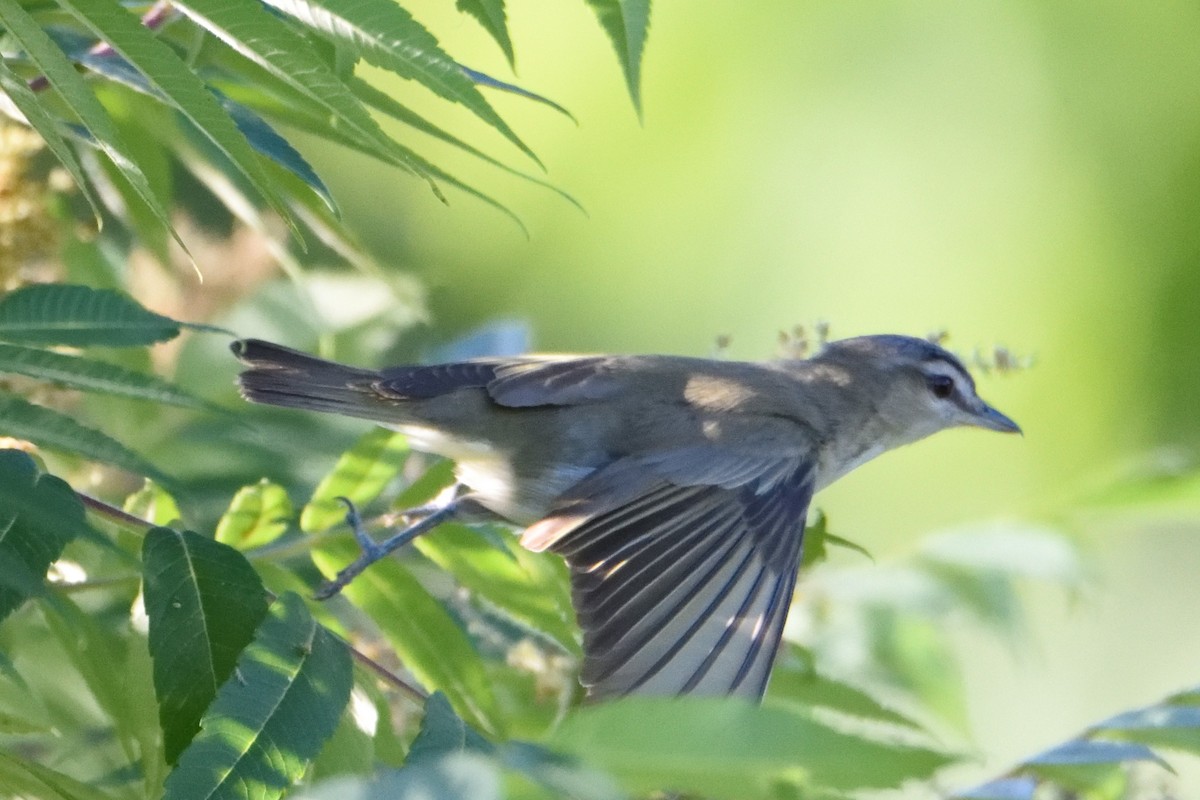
(386, 104)
(724, 747)
(442, 731)
(360, 474)
(626, 22)
(272, 716)
(796, 680)
(39, 515)
(257, 515)
(428, 640)
(451, 777)
(817, 540)
(204, 602)
(24, 778)
(490, 14)
(276, 48)
(179, 85)
(530, 588)
(79, 316)
(28, 104)
(93, 376)
(154, 504)
(57, 431)
(75, 92)
(387, 36)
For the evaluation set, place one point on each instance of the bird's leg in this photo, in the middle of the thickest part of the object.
(444, 508)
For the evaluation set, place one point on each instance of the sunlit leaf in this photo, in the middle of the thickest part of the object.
(204, 602)
(26, 778)
(387, 36)
(360, 474)
(530, 588)
(57, 431)
(154, 504)
(491, 16)
(626, 23)
(272, 716)
(430, 643)
(257, 515)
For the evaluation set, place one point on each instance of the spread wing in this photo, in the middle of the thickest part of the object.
(680, 587)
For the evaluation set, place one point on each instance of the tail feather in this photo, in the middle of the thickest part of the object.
(280, 376)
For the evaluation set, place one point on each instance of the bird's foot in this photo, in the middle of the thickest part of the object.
(428, 518)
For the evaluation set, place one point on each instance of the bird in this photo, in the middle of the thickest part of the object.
(676, 489)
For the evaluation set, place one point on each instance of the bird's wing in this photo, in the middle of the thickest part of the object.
(680, 586)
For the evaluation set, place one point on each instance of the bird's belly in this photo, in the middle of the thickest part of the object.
(522, 496)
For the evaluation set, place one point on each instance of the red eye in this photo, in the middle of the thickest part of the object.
(942, 386)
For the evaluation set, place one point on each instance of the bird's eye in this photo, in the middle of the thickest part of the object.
(942, 386)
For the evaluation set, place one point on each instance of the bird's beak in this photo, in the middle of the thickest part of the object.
(990, 418)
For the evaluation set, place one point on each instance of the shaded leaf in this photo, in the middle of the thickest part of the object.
(442, 731)
(79, 316)
(360, 474)
(795, 679)
(57, 431)
(626, 22)
(39, 515)
(204, 602)
(451, 777)
(429, 641)
(387, 36)
(272, 716)
(724, 747)
(257, 515)
(93, 376)
(483, 79)
(1018, 788)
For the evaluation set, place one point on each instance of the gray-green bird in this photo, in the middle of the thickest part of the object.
(675, 488)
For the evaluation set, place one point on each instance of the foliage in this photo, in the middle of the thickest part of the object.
(142, 657)
(204, 85)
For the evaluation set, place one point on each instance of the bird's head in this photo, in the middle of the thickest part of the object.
(917, 388)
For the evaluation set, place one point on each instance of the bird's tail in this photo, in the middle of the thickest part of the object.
(280, 376)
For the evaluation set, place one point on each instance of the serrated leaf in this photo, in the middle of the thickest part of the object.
(75, 92)
(725, 747)
(490, 14)
(39, 515)
(204, 602)
(360, 474)
(28, 104)
(483, 79)
(387, 36)
(530, 588)
(386, 104)
(626, 23)
(93, 376)
(80, 316)
(272, 716)
(428, 640)
(257, 515)
(180, 85)
(276, 48)
(56, 431)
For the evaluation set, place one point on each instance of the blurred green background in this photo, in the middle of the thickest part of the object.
(1018, 173)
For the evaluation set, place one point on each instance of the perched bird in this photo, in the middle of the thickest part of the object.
(675, 488)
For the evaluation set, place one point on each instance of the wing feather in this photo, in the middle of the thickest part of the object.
(685, 588)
